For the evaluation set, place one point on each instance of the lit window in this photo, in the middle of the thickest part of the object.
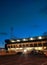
(17, 48)
(36, 48)
(20, 48)
(25, 50)
(39, 48)
(44, 47)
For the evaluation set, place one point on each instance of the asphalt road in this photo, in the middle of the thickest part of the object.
(23, 60)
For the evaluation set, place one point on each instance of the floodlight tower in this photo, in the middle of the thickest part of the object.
(12, 33)
(12, 36)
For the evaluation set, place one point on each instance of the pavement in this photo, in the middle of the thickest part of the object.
(23, 60)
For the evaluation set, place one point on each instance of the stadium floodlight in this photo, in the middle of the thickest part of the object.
(24, 39)
(31, 38)
(12, 41)
(39, 37)
(18, 40)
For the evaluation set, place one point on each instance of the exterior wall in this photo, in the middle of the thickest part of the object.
(39, 45)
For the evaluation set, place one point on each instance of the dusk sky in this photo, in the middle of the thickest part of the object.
(28, 18)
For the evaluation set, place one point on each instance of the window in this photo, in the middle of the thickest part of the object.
(23, 45)
(44, 44)
(14, 46)
(20, 45)
(27, 45)
(11, 46)
(35, 45)
(39, 44)
(31, 45)
(8, 46)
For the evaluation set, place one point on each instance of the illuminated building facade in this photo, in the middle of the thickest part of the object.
(27, 44)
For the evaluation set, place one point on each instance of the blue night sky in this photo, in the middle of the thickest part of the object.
(25, 18)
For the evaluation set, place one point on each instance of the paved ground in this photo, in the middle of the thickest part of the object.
(23, 60)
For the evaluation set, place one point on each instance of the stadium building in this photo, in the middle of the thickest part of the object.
(27, 44)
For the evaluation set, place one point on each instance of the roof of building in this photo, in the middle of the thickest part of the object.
(30, 39)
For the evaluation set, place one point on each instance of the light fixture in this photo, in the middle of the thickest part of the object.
(40, 37)
(12, 41)
(18, 40)
(24, 39)
(31, 38)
